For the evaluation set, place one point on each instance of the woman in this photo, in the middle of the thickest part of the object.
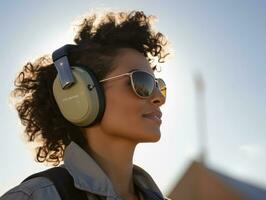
(115, 53)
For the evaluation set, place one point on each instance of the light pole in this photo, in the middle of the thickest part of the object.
(201, 116)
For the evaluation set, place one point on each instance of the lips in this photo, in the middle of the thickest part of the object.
(155, 116)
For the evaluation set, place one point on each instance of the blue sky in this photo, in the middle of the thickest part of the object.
(224, 41)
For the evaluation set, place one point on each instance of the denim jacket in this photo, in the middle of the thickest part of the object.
(87, 175)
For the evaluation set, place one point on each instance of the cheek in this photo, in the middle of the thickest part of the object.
(121, 114)
(123, 118)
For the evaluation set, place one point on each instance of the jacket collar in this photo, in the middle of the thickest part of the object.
(88, 175)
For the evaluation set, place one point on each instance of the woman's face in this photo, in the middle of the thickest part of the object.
(127, 115)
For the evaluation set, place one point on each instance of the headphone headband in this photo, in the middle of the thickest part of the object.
(63, 68)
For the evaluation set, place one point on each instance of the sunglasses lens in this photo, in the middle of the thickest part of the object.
(162, 86)
(143, 83)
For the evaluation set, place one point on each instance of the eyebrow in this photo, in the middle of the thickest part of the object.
(141, 70)
(124, 74)
(133, 70)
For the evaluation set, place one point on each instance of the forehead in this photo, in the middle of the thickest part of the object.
(129, 59)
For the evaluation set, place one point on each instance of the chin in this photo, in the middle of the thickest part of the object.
(153, 140)
(156, 138)
(151, 137)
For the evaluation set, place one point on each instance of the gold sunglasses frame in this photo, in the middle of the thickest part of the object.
(156, 82)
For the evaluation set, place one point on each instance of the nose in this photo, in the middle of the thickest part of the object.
(157, 97)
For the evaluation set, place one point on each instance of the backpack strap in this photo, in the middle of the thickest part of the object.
(63, 182)
(149, 194)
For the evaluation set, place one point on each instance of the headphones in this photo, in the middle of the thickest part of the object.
(77, 92)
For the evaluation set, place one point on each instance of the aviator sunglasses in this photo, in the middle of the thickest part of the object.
(142, 83)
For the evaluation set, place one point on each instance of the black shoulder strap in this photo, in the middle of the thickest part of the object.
(63, 182)
(149, 194)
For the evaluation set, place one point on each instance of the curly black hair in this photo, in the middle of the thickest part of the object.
(98, 41)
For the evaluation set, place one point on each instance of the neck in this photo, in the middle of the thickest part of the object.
(114, 155)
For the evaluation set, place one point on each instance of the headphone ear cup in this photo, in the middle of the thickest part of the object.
(83, 103)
